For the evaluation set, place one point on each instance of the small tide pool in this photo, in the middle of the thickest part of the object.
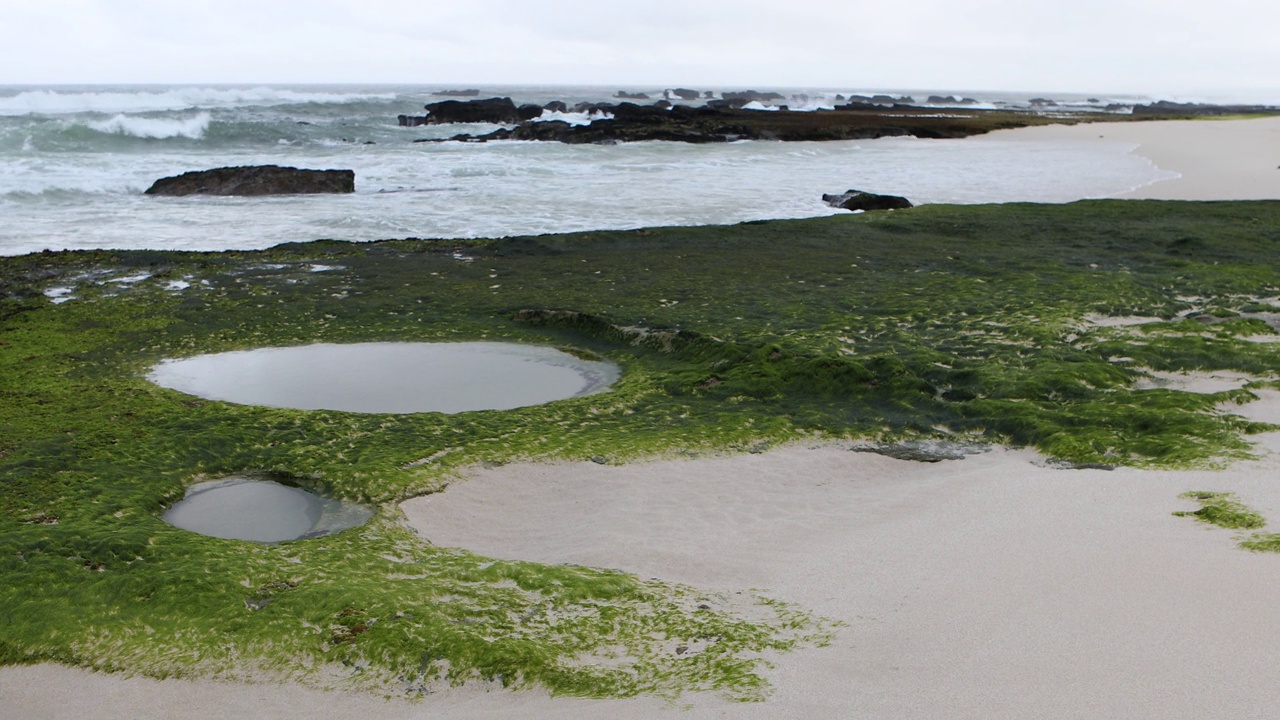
(246, 508)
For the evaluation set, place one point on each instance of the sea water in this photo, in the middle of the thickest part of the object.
(74, 162)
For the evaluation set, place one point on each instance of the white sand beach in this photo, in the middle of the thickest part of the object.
(1215, 159)
(989, 587)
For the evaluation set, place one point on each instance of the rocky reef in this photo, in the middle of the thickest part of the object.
(722, 120)
(726, 119)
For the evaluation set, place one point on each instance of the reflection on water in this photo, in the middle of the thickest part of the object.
(389, 377)
(241, 508)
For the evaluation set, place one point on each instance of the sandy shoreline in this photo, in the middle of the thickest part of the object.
(987, 587)
(1216, 159)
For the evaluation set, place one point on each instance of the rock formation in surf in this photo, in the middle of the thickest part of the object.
(859, 200)
(256, 180)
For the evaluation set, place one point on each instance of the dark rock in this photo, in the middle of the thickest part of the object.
(739, 98)
(529, 112)
(1059, 464)
(256, 180)
(708, 94)
(556, 106)
(682, 93)
(457, 93)
(500, 111)
(1164, 107)
(859, 200)
(724, 120)
(624, 95)
(925, 450)
(950, 100)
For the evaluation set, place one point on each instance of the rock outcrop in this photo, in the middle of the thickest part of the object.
(736, 99)
(859, 200)
(682, 93)
(256, 180)
(1165, 107)
(499, 111)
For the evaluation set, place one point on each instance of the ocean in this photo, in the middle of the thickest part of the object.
(74, 162)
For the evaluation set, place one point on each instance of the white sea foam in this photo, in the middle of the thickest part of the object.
(757, 105)
(573, 118)
(159, 128)
(59, 102)
(809, 104)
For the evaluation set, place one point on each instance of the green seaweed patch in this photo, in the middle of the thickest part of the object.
(1262, 542)
(940, 324)
(1221, 509)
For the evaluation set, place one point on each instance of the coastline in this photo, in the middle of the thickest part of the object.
(1236, 159)
(990, 586)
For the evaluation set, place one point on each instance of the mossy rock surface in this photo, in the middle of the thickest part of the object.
(956, 324)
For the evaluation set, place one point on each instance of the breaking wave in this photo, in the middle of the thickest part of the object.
(572, 118)
(158, 128)
(59, 102)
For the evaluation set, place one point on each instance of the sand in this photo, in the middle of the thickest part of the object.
(989, 587)
(1215, 159)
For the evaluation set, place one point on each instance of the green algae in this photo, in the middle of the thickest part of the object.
(1225, 511)
(933, 323)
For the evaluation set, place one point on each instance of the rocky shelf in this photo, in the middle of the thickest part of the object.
(727, 120)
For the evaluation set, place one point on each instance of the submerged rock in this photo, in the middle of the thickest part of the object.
(256, 180)
(859, 200)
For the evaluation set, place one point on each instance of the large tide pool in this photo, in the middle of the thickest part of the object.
(389, 377)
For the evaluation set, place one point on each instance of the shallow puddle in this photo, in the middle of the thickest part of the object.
(389, 377)
(240, 508)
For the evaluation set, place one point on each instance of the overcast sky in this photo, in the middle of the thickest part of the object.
(1143, 46)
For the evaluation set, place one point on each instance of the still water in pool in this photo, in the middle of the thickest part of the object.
(242, 508)
(389, 377)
